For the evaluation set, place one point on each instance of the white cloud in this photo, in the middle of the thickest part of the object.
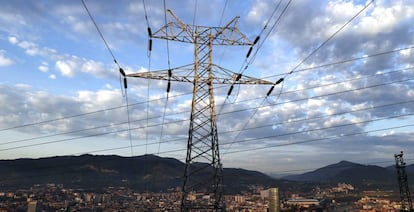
(94, 68)
(79, 25)
(257, 12)
(405, 52)
(32, 49)
(384, 19)
(4, 60)
(13, 40)
(43, 68)
(66, 68)
(52, 76)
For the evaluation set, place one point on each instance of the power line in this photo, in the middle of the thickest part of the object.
(271, 76)
(252, 58)
(169, 78)
(282, 80)
(106, 133)
(268, 33)
(342, 61)
(325, 95)
(149, 50)
(76, 131)
(119, 67)
(100, 33)
(222, 12)
(275, 124)
(246, 63)
(286, 144)
(326, 128)
(313, 87)
(332, 36)
(320, 139)
(256, 127)
(195, 12)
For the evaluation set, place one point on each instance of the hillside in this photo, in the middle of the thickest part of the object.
(141, 173)
(367, 176)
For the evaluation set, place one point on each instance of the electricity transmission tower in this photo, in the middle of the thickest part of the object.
(203, 171)
(406, 203)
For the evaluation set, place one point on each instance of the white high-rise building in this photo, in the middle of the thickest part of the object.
(272, 194)
(274, 205)
(31, 206)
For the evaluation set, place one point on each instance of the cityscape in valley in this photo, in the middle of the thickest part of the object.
(28, 185)
(53, 197)
(207, 105)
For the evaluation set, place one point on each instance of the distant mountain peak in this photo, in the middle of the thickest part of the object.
(346, 163)
(348, 172)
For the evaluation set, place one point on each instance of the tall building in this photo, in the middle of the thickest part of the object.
(272, 194)
(31, 206)
(274, 205)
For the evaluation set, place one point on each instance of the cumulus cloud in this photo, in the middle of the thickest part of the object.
(13, 40)
(66, 68)
(95, 68)
(26, 105)
(4, 60)
(257, 11)
(67, 65)
(44, 67)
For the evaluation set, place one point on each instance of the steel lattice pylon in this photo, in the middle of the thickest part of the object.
(406, 203)
(203, 171)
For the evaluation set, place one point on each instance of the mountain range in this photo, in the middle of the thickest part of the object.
(153, 173)
(143, 173)
(363, 176)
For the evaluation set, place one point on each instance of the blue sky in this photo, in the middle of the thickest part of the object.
(54, 65)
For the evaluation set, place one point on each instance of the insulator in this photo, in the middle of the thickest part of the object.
(238, 77)
(149, 32)
(255, 40)
(231, 89)
(248, 53)
(150, 45)
(279, 81)
(121, 70)
(125, 83)
(168, 86)
(169, 73)
(270, 91)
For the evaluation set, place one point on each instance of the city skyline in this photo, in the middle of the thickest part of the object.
(347, 92)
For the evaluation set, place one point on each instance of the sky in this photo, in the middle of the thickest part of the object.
(347, 93)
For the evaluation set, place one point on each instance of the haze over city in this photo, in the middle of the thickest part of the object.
(347, 92)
